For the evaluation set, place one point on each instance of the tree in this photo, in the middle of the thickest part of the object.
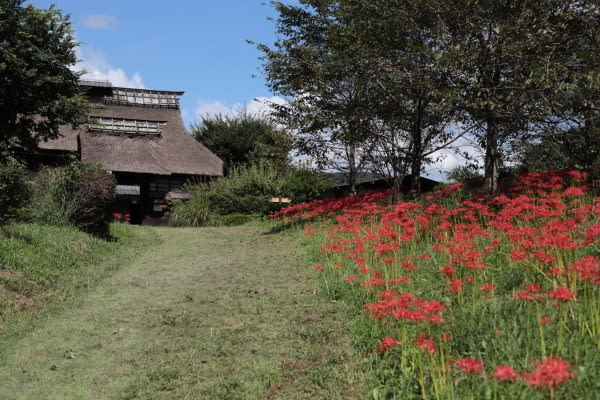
(244, 139)
(326, 105)
(360, 83)
(512, 63)
(38, 89)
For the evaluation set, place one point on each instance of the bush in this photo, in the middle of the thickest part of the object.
(247, 190)
(15, 190)
(79, 194)
(193, 213)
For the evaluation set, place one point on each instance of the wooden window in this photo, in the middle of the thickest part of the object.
(143, 98)
(125, 126)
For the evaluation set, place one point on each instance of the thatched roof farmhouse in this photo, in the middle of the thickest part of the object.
(139, 136)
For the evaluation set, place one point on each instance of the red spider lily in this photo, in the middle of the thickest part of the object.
(488, 287)
(592, 234)
(550, 373)
(543, 257)
(309, 231)
(505, 373)
(387, 343)
(318, 267)
(425, 343)
(469, 365)
(545, 320)
(588, 269)
(533, 287)
(406, 306)
(448, 270)
(529, 293)
(573, 191)
(561, 294)
(517, 255)
(399, 280)
(455, 286)
(375, 281)
(350, 278)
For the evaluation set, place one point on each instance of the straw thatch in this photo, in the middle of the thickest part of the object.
(173, 151)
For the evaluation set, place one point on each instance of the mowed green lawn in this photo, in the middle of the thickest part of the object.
(214, 313)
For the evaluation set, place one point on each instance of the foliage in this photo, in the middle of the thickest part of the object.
(38, 89)
(247, 190)
(15, 190)
(391, 79)
(470, 295)
(79, 194)
(192, 213)
(578, 147)
(243, 139)
(463, 173)
(363, 83)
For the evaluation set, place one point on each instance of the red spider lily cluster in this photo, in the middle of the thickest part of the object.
(123, 218)
(536, 244)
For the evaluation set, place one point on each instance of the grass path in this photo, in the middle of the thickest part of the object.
(215, 313)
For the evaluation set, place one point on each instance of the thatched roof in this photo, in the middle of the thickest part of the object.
(162, 147)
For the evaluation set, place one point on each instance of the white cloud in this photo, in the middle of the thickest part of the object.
(97, 67)
(257, 106)
(449, 159)
(98, 21)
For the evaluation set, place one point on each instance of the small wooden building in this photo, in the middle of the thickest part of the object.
(138, 135)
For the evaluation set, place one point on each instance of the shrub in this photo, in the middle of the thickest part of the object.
(193, 213)
(15, 190)
(78, 194)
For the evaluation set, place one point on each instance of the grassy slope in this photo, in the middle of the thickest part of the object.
(227, 313)
(43, 266)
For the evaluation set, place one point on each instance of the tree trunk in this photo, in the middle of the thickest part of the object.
(491, 157)
(415, 177)
(397, 188)
(416, 156)
(352, 170)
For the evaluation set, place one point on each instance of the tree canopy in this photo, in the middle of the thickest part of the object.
(39, 91)
(243, 139)
(403, 79)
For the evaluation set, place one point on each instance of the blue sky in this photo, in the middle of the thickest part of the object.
(196, 46)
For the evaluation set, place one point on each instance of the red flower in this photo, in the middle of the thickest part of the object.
(551, 373)
(425, 343)
(350, 278)
(448, 270)
(588, 268)
(469, 365)
(505, 373)
(318, 267)
(561, 294)
(455, 286)
(517, 255)
(573, 191)
(488, 287)
(387, 343)
(309, 231)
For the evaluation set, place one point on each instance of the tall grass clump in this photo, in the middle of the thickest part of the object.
(193, 213)
(78, 194)
(470, 296)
